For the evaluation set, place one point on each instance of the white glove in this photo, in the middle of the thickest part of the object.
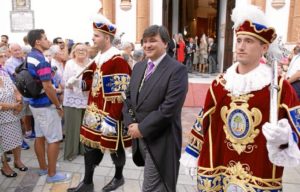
(277, 135)
(73, 81)
(106, 129)
(190, 164)
(289, 157)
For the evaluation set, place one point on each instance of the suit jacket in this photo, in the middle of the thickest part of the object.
(158, 111)
(171, 47)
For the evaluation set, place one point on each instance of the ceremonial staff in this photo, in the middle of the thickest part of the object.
(274, 94)
(276, 52)
(88, 65)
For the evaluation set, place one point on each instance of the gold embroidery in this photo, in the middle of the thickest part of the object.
(210, 186)
(240, 123)
(120, 83)
(235, 176)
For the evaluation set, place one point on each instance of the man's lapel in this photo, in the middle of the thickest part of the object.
(151, 82)
(138, 80)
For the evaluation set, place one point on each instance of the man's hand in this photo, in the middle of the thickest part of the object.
(60, 112)
(277, 135)
(133, 131)
(73, 81)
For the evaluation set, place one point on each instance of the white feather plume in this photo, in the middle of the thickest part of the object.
(248, 12)
(99, 18)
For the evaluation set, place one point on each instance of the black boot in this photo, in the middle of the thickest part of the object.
(81, 187)
(113, 184)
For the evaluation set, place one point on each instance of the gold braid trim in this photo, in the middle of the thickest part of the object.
(96, 145)
(90, 143)
(197, 143)
(114, 99)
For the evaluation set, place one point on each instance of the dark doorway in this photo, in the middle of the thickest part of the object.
(167, 15)
(195, 17)
(228, 45)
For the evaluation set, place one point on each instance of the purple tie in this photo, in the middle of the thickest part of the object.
(149, 70)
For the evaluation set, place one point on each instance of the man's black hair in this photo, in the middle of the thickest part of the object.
(154, 30)
(34, 35)
(6, 36)
(55, 40)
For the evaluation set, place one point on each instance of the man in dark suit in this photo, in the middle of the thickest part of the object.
(171, 47)
(190, 50)
(157, 91)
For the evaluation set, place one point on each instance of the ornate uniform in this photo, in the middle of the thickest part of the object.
(106, 78)
(228, 132)
(240, 150)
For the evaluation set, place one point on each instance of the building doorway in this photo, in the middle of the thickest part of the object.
(198, 17)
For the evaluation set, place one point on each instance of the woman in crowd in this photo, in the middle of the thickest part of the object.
(203, 54)
(10, 126)
(127, 50)
(196, 54)
(74, 102)
(180, 48)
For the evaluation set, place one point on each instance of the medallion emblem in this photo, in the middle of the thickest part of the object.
(97, 82)
(240, 123)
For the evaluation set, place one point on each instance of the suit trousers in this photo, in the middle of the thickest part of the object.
(152, 181)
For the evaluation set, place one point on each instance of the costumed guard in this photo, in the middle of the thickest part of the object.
(233, 145)
(102, 128)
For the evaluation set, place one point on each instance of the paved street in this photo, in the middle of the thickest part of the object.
(29, 181)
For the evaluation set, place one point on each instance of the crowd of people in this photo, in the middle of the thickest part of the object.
(83, 100)
(198, 55)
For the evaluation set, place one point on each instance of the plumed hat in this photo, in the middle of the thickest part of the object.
(250, 20)
(102, 24)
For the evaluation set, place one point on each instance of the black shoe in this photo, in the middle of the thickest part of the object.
(113, 184)
(21, 168)
(13, 174)
(81, 187)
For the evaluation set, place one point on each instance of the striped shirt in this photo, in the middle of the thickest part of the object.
(39, 68)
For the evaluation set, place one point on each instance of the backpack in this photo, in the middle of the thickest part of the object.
(26, 84)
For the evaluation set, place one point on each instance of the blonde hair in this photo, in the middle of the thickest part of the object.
(74, 49)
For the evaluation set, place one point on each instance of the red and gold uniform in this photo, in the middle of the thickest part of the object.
(228, 136)
(236, 146)
(106, 78)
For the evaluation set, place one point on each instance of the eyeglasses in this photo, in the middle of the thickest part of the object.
(60, 42)
(2, 56)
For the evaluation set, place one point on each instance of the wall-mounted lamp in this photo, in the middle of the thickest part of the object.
(125, 5)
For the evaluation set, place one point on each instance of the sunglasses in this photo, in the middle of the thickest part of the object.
(2, 56)
(60, 42)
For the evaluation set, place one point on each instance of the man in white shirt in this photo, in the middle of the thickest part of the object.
(293, 73)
